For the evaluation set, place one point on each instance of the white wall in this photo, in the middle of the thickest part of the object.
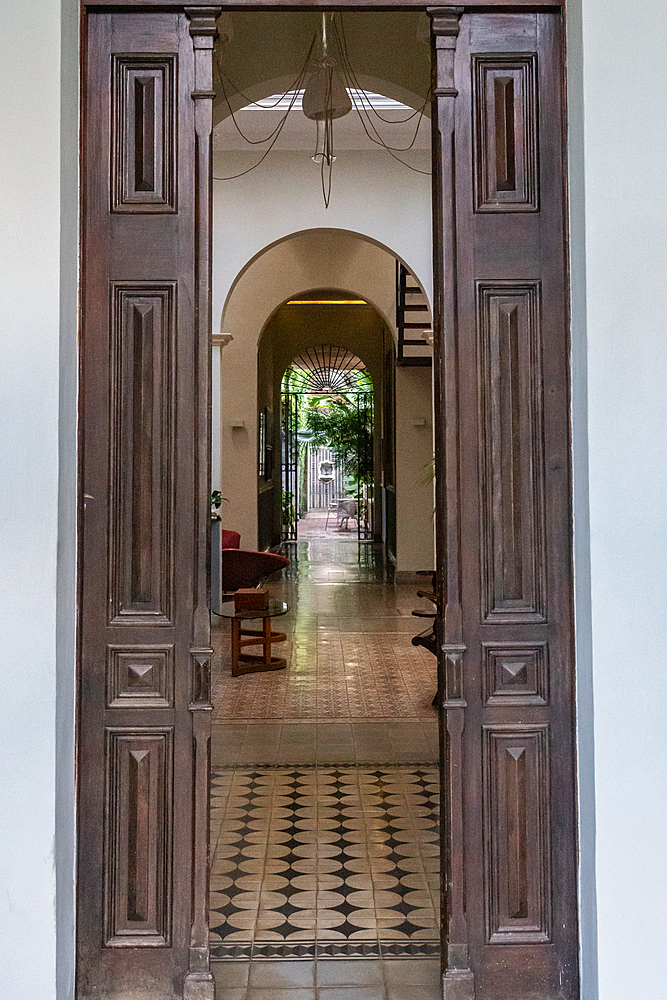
(619, 152)
(284, 196)
(31, 537)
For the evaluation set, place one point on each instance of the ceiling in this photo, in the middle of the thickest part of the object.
(262, 53)
(299, 132)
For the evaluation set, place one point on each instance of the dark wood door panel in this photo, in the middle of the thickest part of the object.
(143, 691)
(511, 917)
(504, 527)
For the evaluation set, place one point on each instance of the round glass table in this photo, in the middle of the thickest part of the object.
(247, 663)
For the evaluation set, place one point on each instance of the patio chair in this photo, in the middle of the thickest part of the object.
(344, 509)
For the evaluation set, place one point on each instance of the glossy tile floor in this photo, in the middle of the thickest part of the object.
(324, 793)
(315, 862)
(349, 652)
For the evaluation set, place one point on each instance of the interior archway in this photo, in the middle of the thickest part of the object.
(353, 326)
(319, 259)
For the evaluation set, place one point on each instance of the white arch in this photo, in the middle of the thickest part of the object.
(303, 261)
(309, 259)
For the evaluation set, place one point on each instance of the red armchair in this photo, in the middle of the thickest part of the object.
(229, 539)
(241, 568)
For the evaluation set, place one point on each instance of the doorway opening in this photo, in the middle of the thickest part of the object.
(325, 782)
(327, 444)
(504, 588)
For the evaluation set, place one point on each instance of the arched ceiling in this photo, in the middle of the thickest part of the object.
(262, 53)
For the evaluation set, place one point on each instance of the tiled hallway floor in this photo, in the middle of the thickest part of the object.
(349, 652)
(315, 862)
(399, 979)
(325, 795)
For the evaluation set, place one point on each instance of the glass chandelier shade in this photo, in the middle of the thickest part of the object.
(325, 95)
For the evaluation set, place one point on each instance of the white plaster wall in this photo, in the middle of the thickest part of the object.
(619, 213)
(371, 194)
(31, 537)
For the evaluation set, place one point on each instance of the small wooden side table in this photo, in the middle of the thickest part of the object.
(247, 663)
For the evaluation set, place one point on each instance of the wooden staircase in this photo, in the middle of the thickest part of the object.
(413, 320)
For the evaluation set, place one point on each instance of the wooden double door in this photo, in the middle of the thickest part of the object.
(509, 914)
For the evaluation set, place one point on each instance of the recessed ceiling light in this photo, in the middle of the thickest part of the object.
(327, 302)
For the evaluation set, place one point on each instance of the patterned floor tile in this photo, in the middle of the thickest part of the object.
(349, 651)
(317, 850)
(323, 864)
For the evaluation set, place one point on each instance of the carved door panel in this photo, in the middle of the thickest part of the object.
(509, 912)
(144, 718)
(509, 909)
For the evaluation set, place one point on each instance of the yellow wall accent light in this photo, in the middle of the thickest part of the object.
(327, 302)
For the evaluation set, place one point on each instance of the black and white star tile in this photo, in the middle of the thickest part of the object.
(317, 862)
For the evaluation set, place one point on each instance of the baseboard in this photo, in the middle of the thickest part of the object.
(422, 576)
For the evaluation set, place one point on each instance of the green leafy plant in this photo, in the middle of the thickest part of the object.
(217, 501)
(429, 473)
(336, 422)
(289, 508)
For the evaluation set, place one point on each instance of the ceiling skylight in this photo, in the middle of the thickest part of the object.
(281, 102)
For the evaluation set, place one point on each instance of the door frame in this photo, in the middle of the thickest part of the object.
(446, 19)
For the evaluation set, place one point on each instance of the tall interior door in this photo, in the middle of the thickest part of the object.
(144, 708)
(503, 522)
(503, 519)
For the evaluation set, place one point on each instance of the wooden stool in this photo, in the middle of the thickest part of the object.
(247, 663)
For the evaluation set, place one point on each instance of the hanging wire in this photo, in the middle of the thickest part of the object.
(364, 109)
(293, 91)
(341, 38)
(359, 98)
(328, 157)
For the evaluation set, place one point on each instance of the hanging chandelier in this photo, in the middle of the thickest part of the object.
(325, 98)
(325, 89)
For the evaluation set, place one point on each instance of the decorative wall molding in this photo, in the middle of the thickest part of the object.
(138, 837)
(221, 339)
(140, 676)
(144, 133)
(505, 133)
(515, 673)
(198, 983)
(517, 870)
(143, 326)
(512, 487)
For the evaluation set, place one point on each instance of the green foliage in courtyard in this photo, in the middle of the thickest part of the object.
(340, 423)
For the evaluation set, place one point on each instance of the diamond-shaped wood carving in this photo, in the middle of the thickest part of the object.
(516, 673)
(140, 677)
